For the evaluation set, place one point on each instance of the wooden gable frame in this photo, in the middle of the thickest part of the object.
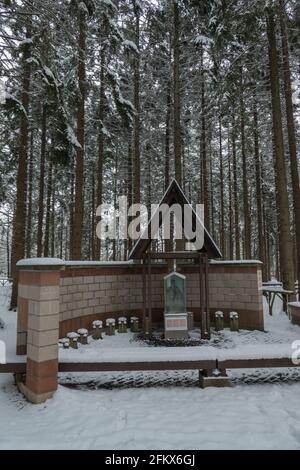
(174, 195)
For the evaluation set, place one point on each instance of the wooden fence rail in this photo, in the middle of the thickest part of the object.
(20, 367)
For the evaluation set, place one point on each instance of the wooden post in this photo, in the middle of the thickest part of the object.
(149, 293)
(207, 297)
(203, 319)
(144, 293)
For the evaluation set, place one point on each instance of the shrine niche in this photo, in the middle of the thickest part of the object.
(175, 312)
(175, 315)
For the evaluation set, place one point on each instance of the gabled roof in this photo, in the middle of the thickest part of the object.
(174, 195)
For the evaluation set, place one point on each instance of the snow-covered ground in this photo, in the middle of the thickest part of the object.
(163, 410)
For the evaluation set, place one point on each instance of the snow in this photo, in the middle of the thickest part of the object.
(130, 45)
(233, 315)
(72, 138)
(83, 8)
(48, 72)
(294, 304)
(200, 39)
(64, 341)
(72, 335)
(278, 289)
(219, 314)
(28, 41)
(82, 331)
(231, 262)
(41, 262)
(8, 333)
(110, 4)
(98, 263)
(60, 262)
(138, 411)
(102, 354)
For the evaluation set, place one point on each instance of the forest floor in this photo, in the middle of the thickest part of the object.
(161, 410)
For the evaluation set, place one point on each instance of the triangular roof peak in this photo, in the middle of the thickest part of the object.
(174, 195)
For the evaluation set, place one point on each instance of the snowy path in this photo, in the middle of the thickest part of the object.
(246, 416)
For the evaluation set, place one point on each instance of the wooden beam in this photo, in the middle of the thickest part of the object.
(175, 365)
(133, 366)
(20, 367)
(255, 363)
(13, 367)
(174, 255)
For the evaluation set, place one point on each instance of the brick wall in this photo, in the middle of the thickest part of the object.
(87, 293)
(59, 297)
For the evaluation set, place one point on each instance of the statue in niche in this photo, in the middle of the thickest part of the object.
(175, 293)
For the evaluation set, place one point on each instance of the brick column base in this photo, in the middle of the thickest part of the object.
(40, 286)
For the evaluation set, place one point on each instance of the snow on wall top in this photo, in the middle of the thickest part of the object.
(98, 263)
(60, 262)
(240, 261)
(190, 353)
(41, 262)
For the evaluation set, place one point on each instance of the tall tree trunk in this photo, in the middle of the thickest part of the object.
(291, 131)
(137, 118)
(45, 48)
(29, 210)
(19, 225)
(48, 211)
(267, 244)
(8, 250)
(204, 159)
(93, 210)
(128, 242)
(61, 234)
(100, 147)
(167, 137)
(148, 180)
(235, 195)
(79, 171)
(247, 223)
(115, 241)
(261, 251)
(176, 90)
(52, 217)
(211, 199)
(285, 242)
(222, 211)
(231, 245)
(71, 213)
(42, 183)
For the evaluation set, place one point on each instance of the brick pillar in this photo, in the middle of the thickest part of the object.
(39, 297)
